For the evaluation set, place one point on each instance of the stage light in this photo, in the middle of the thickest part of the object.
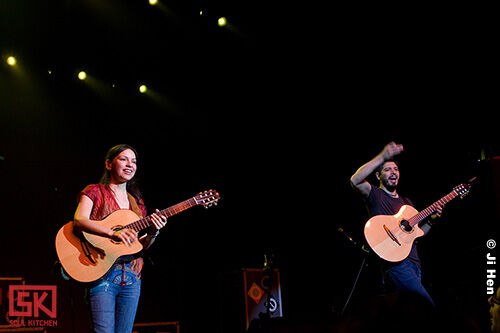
(82, 75)
(153, 2)
(222, 21)
(11, 61)
(143, 89)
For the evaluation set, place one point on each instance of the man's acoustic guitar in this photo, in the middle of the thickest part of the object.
(391, 236)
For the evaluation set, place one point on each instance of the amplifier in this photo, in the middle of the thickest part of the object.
(5, 319)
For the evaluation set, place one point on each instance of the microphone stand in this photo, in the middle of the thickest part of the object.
(268, 272)
(364, 251)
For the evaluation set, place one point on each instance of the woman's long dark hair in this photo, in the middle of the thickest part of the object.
(132, 185)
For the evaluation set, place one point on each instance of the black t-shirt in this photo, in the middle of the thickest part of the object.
(381, 203)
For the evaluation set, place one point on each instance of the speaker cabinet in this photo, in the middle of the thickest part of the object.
(5, 319)
(247, 294)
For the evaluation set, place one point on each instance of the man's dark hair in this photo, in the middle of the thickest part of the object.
(381, 166)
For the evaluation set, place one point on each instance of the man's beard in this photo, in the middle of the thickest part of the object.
(389, 187)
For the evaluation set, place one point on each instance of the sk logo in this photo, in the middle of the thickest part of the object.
(28, 301)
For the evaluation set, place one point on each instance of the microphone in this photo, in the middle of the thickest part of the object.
(341, 230)
(363, 247)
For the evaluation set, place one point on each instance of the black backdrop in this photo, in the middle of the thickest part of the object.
(275, 111)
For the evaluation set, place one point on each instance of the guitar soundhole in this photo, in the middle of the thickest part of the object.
(405, 225)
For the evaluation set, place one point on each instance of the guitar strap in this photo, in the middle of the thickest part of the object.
(134, 206)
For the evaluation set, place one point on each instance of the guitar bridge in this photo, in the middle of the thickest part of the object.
(391, 235)
(86, 251)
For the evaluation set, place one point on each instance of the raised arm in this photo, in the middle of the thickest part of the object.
(358, 180)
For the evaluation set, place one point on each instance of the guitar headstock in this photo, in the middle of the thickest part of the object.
(462, 190)
(207, 198)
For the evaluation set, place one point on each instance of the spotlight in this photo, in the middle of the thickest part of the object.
(153, 2)
(11, 61)
(82, 75)
(222, 21)
(143, 89)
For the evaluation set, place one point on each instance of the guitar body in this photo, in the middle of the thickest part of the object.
(390, 237)
(88, 260)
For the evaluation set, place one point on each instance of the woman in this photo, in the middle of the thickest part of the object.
(113, 298)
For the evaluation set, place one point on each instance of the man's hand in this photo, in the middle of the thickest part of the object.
(438, 212)
(390, 150)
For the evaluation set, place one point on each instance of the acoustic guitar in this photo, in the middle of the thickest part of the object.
(88, 257)
(391, 236)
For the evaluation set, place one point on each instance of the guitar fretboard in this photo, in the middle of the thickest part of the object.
(168, 212)
(432, 208)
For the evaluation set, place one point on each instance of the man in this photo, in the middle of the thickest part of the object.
(405, 275)
(494, 301)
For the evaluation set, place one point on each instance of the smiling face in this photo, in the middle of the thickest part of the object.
(389, 175)
(123, 167)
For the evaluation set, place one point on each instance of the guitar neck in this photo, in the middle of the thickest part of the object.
(168, 212)
(432, 208)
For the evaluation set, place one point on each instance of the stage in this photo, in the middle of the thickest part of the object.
(275, 110)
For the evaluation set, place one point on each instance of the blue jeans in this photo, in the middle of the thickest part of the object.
(406, 276)
(113, 307)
